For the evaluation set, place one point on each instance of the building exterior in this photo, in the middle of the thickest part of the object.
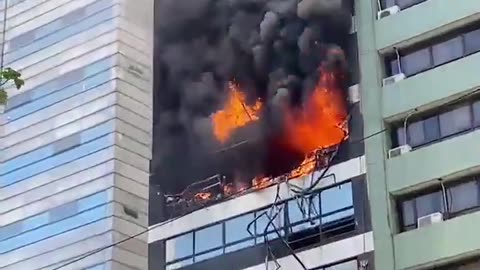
(75, 141)
(437, 43)
(339, 236)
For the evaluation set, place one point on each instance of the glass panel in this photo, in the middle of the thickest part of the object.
(476, 113)
(57, 160)
(431, 129)
(447, 51)
(472, 42)
(236, 229)
(455, 121)
(463, 196)
(53, 229)
(403, 4)
(394, 67)
(350, 265)
(63, 211)
(401, 136)
(429, 203)
(306, 225)
(208, 238)
(408, 213)
(240, 245)
(416, 62)
(208, 255)
(388, 3)
(180, 264)
(264, 221)
(334, 199)
(179, 247)
(297, 210)
(416, 135)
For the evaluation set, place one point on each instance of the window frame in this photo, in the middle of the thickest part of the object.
(257, 239)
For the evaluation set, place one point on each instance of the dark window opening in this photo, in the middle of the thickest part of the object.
(461, 197)
(435, 52)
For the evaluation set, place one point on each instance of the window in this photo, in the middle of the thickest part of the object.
(462, 197)
(455, 121)
(331, 207)
(208, 238)
(464, 117)
(403, 4)
(180, 247)
(336, 203)
(53, 222)
(435, 52)
(447, 51)
(472, 42)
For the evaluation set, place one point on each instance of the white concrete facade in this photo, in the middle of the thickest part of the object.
(75, 142)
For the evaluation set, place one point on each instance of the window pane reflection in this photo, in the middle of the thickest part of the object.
(236, 229)
(447, 51)
(179, 247)
(455, 121)
(208, 238)
(464, 196)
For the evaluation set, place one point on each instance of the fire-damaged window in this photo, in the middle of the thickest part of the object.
(455, 120)
(301, 221)
(402, 4)
(435, 52)
(461, 197)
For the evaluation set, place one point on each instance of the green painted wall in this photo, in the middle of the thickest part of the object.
(371, 98)
(453, 239)
(423, 19)
(432, 162)
(426, 89)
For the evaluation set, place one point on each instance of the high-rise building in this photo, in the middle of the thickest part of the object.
(328, 228)
(75, 141)
(423, 164)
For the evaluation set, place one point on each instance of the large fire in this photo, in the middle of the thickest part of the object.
(235, 114)
(311, 129)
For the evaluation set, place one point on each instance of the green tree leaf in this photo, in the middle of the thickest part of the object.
(9, 75)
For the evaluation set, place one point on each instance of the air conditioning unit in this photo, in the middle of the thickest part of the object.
(387, 12)
(393, 79)
(428, 220)
(398, 151)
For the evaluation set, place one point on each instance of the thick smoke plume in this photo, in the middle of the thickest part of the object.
(272, 49)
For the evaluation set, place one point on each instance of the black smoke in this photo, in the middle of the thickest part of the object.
(272, 48)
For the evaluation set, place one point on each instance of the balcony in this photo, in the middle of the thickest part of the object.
(447, 240)
(422, 21)
(450, 158)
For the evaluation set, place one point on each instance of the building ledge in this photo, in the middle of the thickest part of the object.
(406, 27)
(449, 159)
(252, 201)
(431, 88)
(439, 243)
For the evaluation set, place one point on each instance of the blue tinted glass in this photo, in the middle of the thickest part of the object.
(54, 86)
(264, 220)
(208, 238)
(53, 229)
(180, 247)
(48, 150)
(55, 161)
(43, 219)
(102, 17)
(208, 255)
(236, 229)
(179, 264)
(97, 267)
(56, 25)
(335, 199)
(241, 245)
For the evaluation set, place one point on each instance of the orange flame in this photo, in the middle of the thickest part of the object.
(321, 122)
(203, 196)
(236, 113)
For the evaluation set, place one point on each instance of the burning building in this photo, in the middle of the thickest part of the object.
(252, 97)
(252, 91)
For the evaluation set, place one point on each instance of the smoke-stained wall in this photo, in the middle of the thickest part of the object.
(269, 47)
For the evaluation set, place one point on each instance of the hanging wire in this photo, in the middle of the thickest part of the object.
(4, 30)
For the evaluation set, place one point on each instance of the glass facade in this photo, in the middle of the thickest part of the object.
(326, 212)
(60, 139)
